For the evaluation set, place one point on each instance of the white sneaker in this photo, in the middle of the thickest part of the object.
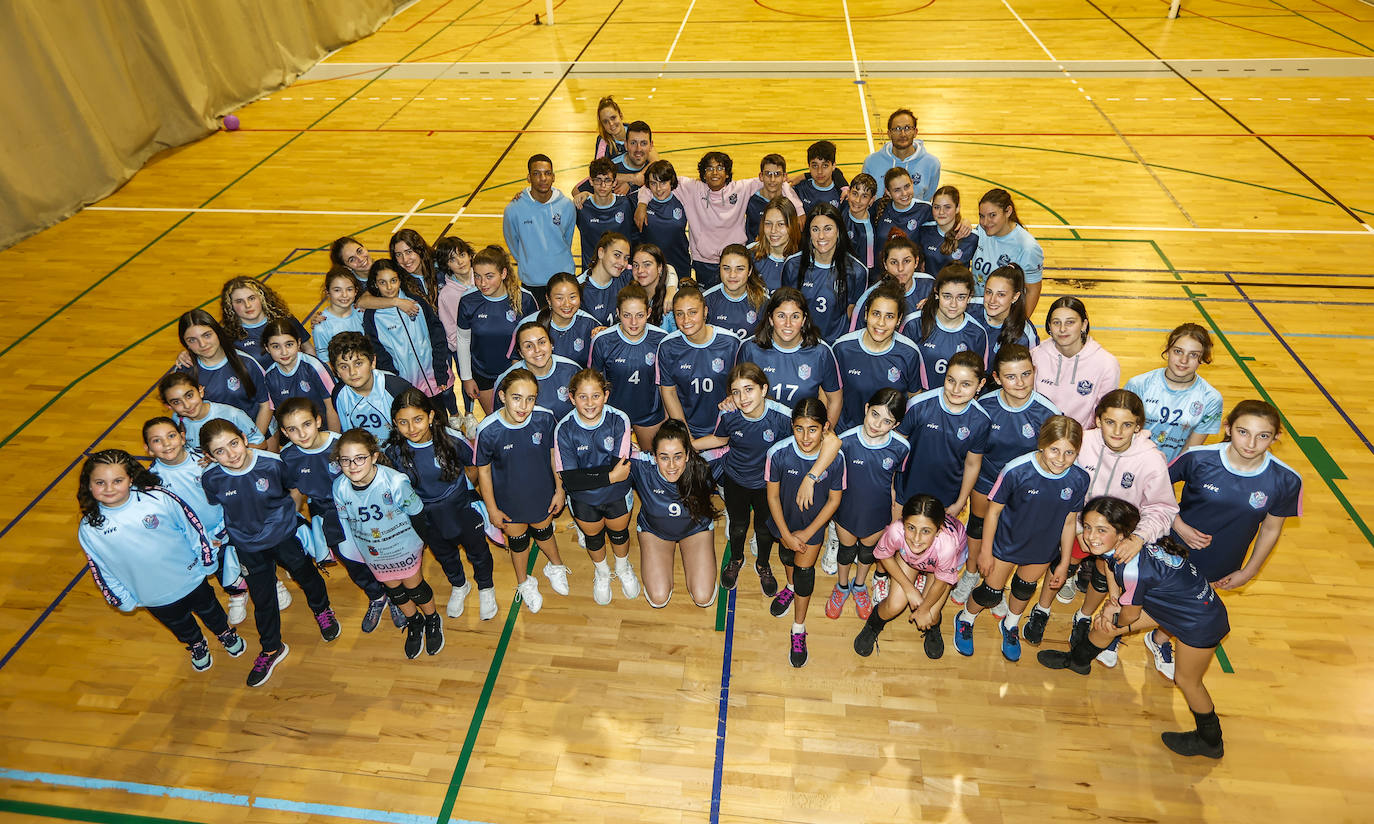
(1069, 592)
(457, 599)
(486, 604)
(1108, 657)
(753, 546)
(283, 596)
(238, 609)
(830, 561)
(558, 577)
(881, 585)
(1163, 653)
(529, 592)
(963, 589)
(470, 427)
(601, 585)
(629, 582)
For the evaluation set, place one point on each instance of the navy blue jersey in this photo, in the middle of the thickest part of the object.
(917, 290)
(796, 373)
(662, 512)
(1013, 432)
(1230, 504)
(493, 322)
(968, 335)
(818, 285)
(1035, 505)
(1029, 336)
(630, 367)
(582, 445)
(1174, 593)
(909, 221)
(521, 465)
(865, 372)
(599, 301)
(444, 500)
(787, 467)
(871, 468)
(698, 372)
(308, 378)
(222, 385)
(863, 244)
(665, 226)
(940, 441)
(258, 510)
(753, 213)
(769, 268)
(750, 440)
(255, 347)
(810, 194)
(373, 410)
(312, 472)
(574, 341)
(735, 315)
(553, 385)
(594, 220)
(930, 238)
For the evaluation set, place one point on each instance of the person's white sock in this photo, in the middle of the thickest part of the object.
(1079, 616)
(1011, 620)
(602, 566)
(796, 628)
(965, 615)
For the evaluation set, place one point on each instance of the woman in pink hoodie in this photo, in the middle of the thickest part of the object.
(1072, 369)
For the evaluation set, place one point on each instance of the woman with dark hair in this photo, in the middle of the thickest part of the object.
(825, 272)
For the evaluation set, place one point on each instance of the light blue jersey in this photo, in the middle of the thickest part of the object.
(250, 430)
(539, 235)
(183, 480)
(332, 325)
(371, 411)
(377, 517)
(1171, 416)
(923, 166)
(1017, 246)
(149, 551)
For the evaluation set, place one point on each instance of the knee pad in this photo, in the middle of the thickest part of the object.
(975, 528)
(520, 543)
(542, 533)
(398, 595)
(985, 596)
(865, 554)
(804, 581)
(595, 542)
(1099, 579)
(1021, 589)
(421, 594)
(619, 537)
(787, 556)
(847, 554)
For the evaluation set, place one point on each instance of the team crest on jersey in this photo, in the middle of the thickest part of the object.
(958, 254)
(1066, 493)
(619, 218)
(717, 365)
(260, 484)
(1127, 480)
(234, 384)
(963, 433)
(1195, 408)
(510, 316)
(734, 198)
(894, 374)
(562, 393)
(387, 499)
(577, 345)
(804, 371)
(150, 522)
(677, 214)
(751, 316)
(1027, 431)
(768, 436)
(888, 463)
(911, 225)
(557, 219)
(1170, 561)
(649, 358)
(537, 438)
(305, 385)
(1003, 260)
(963, 347)
(1258, 499)
(1085, 388)
(333, 468)
(609, 443)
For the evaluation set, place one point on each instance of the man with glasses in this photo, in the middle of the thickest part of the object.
(904, 150)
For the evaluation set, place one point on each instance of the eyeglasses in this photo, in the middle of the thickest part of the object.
(604, 180)
(715, 167)
(361, 460)
(773, 175)
(902, 129)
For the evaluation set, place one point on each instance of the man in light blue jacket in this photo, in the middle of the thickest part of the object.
(906, 151)
(538, 226)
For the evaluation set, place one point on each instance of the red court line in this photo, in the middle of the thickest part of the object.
(1267, 34)
(832, 133)
(883, 16)
(493, 36)
(427, 16)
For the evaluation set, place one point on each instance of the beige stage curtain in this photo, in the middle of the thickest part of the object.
(90, 89)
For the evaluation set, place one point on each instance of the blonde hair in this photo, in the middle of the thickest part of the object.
(273, 305)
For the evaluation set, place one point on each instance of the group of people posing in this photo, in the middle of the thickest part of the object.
(850, 368)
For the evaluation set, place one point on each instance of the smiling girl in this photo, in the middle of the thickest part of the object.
(1072, 369)
(943, 326)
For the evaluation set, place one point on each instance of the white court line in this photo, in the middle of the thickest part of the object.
(858, 78)
(1042, 46)
(407, 215)
(668, 57)
(1207, 230)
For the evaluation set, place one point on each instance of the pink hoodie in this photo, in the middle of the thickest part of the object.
(1076, 384)
(716, 219)
(1139, 476)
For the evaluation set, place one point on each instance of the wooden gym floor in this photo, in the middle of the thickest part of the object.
(1212, 168)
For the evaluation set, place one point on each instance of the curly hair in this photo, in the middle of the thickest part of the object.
(273, 305)
(140, 477)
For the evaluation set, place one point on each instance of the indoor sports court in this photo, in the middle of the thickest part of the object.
(1212, 168)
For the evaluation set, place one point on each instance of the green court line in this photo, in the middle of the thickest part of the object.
(1223, 660)
(722, 594)
(79, 814)
(1323, 25)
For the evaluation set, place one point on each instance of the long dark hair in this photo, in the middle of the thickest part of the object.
(412, 238)
(953, 273)
(450, 466)
(660, 295)
(839, 263)
(408, 286)
(200, 317)
(763, 332)
(1124, 518)
(140, 477)
(695, 486)
(1014, 325)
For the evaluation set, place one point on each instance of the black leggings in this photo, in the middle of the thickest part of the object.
(472, 540)
(260, 568)
(180, 615)
(738, 501)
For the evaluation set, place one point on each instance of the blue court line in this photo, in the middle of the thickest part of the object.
(1261, 334)
(724, 709)
(223, 799)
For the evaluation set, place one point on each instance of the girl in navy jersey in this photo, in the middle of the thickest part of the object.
(311, 470)
(627, 354)
(898, 208)
(410, 252)
(1032, 520)
(487, 319)
(229, 376)
(604, 280)
(876, 357)
(192, 411)
(246, 305)
(1016, 413)
(588, 444)
(779, 238)
(801, 530)
(380, 508)
(1159, 586)
(948, 430)
(610, 128)
(665, 225)
(825, 271)
(260, 517)
(901, 262)
(874, 454)
(339, 314)
(693, 363)
(922, 552)
(145, 548)
(734, 303)
(1182, 408)
(295, 374)
(418, 346)
(438, 462)
(1002, 311)
(519, 484)
(533, 345)
(787, 346)
(651, 272)
(940, 242)
(569, 328)
(749, 429)
(943, 326)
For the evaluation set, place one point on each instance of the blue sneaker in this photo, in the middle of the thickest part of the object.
(1011, 642)
(963, 636)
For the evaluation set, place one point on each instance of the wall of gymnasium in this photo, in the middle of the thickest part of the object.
(94, 88)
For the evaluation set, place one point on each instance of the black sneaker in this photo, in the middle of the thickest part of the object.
(373, 616)
(329, 625)
(767, 582)
(434, 634)
(415, 634)
(1190, 743)
(1034, 632)
(798, 656)
(781, 602)
(1059, 659)
(264, 664)
(934, 643)
(865, 641)
(1079, 633)
(730, 575)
